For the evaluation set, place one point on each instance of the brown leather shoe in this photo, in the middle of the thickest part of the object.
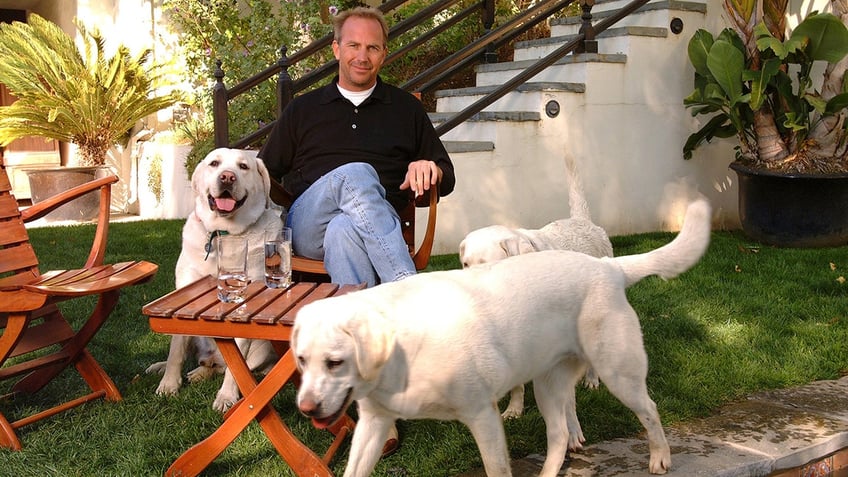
(392, 441)
(390, 446)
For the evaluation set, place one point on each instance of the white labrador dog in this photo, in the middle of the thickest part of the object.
(576, 233)
(231, 197)
(542, 316)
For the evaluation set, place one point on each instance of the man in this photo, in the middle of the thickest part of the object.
(349, 153)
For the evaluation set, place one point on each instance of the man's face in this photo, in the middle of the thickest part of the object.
(360, 52)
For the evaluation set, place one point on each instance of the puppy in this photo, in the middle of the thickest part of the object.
(577, 233)
(231, 197)
(542, 316)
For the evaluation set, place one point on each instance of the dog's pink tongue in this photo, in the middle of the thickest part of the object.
(320, 424)
(225, 204)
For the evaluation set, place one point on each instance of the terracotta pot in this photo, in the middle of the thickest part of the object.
(45, 183)
(793, 210)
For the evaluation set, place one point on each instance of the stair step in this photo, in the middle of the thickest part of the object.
(456, 147)
(483, 116)
(527, 97)
(653, 14)
(499, 73)
(615, 41)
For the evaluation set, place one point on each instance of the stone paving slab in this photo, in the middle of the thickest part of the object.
(765, 433)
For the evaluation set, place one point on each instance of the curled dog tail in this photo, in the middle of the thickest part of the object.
(578, 208)
(677, 256)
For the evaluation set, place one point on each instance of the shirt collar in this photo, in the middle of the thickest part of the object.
(331, 93)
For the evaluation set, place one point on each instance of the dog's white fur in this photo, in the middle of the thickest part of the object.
(576, 233)
(225, 177)
(542, 316)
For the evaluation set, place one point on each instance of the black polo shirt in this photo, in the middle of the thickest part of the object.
(321, 130)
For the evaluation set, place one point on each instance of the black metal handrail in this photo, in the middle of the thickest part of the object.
(517, 25)
(537, 67)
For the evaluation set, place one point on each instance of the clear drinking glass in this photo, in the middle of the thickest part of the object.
(232, 268)
(278, 258)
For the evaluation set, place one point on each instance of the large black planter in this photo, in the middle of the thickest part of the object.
(46, 183)
(793, 210)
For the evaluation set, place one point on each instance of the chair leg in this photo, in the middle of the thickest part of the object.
(8, 437)
(96, 376)
(74, 349)
(341, 429)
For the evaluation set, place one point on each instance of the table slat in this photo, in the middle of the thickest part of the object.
(165, 306)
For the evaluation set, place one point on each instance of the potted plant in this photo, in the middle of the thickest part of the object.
(784, 97)
(75, 95)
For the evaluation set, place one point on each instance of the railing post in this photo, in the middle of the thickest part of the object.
(490, 55)
(285, 85)
(590, 44)
(220, 122)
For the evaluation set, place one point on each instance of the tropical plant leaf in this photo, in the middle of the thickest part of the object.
(698, 50)
(821, 36)
(837, 103)
(760, 80)
(726, 64)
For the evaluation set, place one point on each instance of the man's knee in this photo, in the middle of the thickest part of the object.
(359, 173)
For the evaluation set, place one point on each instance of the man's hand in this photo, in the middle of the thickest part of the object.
(420, 176)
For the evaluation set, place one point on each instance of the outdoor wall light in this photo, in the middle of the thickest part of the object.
(552, 109)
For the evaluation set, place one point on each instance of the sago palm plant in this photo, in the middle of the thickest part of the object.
(75, 95)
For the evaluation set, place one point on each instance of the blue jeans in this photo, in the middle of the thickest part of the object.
(345, 220)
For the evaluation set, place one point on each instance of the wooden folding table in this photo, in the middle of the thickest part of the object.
(267, 314)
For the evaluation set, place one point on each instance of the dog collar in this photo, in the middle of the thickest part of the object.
(208, 246)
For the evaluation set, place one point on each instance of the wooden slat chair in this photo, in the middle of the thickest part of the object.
(420, 256)
(37, 342)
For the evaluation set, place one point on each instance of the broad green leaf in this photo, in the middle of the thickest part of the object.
(766, 41)
(726, 64)
(698, 49)
(837, 103)
(760, 81)
(817, 102)
(821, 37)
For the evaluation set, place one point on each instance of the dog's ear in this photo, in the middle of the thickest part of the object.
(266, 181)
(196, 176)
(373, 339)
(511, 246)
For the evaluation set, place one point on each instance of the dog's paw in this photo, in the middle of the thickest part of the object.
(156, 368)
(201, 373)
(590, 380)
(224, 401)
(575, 441)
(168, 388)
(512, 413)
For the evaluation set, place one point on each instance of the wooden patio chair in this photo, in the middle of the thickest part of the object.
(37, 342)
(420, 256)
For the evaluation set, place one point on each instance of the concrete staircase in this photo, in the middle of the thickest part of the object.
(618, 112)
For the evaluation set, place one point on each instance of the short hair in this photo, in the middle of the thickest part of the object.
(361, 12)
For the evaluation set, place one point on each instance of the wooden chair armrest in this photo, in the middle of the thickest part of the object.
(98, 246)
(308, 265)
(279, 195)
(422, 255)
(39, 210)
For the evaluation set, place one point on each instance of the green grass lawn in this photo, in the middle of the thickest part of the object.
(746, 318)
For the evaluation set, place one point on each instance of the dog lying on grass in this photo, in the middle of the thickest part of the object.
(542, 316)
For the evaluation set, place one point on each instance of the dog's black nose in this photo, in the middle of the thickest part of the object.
(227, 177)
